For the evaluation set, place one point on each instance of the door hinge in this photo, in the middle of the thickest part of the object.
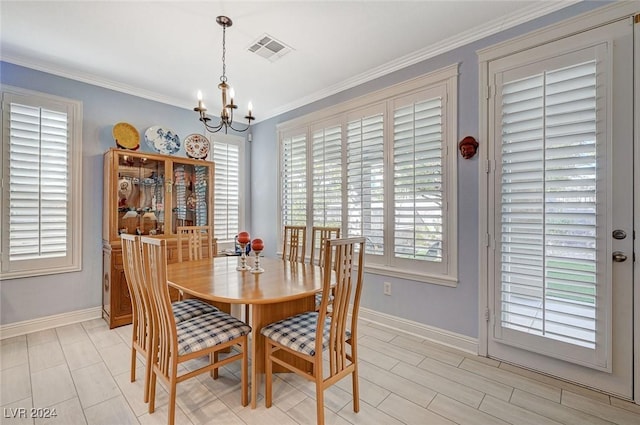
(487, 166)
(487, 314)
(488, 90)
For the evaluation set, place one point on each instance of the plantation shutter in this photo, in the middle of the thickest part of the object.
(38, 180)
(418, 180)
(327, 176)
(226, 213)
(549, 205)
(365, 181)
(294, 180)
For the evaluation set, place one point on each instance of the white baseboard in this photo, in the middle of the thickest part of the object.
(43, 323)
(440, 336)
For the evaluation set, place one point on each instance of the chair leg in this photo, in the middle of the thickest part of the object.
(355, 383)
(356, 392)
(244, 372)
(172, 400)
(268, 369)
(152, 391)
(213, 358)
(147, 375)
(319, 401)
(133, 363)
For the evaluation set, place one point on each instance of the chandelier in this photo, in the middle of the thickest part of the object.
(226, 115)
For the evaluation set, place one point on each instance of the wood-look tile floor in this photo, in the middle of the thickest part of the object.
(82, 371)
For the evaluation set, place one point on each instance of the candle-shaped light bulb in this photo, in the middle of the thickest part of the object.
(232, 94)
(250, 108)
(200, 105)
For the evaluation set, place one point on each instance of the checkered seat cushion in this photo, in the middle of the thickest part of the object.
(190, 308)
(319, 299)
(209, 330)
(299, 332)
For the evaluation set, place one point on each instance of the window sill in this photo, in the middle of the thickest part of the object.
(409, 275)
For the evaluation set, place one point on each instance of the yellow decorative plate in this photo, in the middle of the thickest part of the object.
(126, 136)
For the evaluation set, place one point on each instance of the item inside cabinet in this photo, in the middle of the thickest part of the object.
(140, 197)
(190, 196)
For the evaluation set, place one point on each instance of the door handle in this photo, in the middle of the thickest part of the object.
(619, 256)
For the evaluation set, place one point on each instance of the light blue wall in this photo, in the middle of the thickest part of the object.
(452, 309)
(29, 298)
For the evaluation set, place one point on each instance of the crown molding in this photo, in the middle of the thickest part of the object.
(466, 37)
(536, 10)
(92, 79)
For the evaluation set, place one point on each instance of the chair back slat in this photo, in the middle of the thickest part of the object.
(132, 262)
(295, 241)
(165, 340)
(318, 236)
(342, 255)
(193, 237)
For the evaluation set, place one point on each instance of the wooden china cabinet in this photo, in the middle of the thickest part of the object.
(147, 194)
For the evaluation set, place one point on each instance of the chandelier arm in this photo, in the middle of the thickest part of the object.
(240, 130)
(211, 128)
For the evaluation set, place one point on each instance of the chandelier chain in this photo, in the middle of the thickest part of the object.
(223, 78)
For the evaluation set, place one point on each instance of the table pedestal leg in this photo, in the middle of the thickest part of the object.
(262, 315)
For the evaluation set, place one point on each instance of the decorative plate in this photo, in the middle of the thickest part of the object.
(126, 136)
(162, 139)
(196, 146)
(191, 202)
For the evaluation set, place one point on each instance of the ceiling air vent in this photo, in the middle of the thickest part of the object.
(269, 48)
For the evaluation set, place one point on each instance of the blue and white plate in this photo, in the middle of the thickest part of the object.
(162, 139)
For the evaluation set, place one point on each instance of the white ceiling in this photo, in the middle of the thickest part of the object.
(168, 50)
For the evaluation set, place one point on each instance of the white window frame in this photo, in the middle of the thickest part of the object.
(240, 143)
(72, 262)
(446, 78)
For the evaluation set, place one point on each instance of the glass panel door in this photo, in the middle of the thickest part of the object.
(140, 195)
(190, 195)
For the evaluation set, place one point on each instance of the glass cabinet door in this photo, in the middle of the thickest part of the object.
(140, 195)
(190, 195)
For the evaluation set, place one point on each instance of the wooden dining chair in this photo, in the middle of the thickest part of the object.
(174, 342)
(332, 329)
(319, 234)
(141, 307)
(193, 236)
(295, 242)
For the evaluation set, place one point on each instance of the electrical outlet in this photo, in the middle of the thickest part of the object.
(387, 288)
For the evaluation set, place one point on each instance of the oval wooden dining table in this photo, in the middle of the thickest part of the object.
(284, 288)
